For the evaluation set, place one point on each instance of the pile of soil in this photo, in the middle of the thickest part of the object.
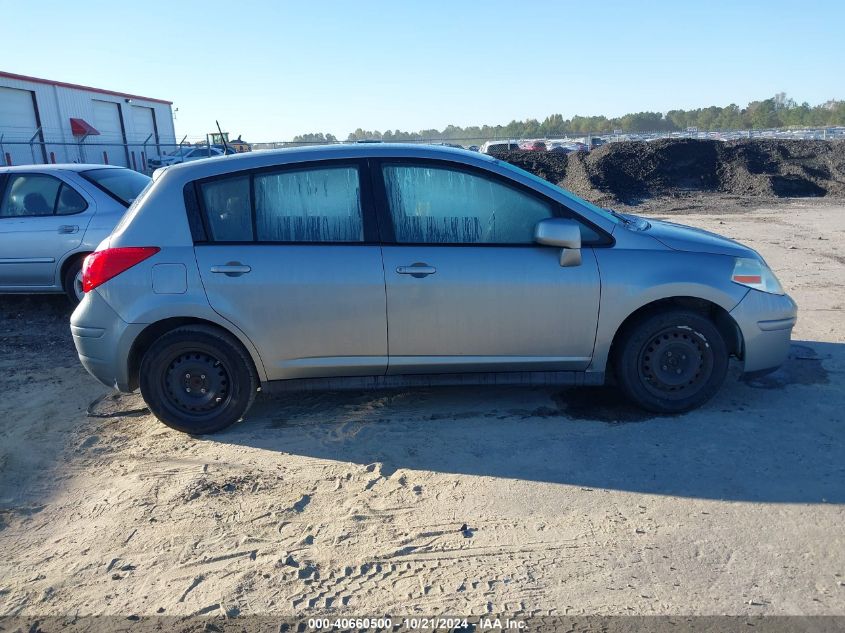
(632, 171)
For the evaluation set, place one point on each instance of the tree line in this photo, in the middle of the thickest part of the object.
(778, 112)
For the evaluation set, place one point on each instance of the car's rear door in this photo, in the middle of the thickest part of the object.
(293, 260)
(42, 217)
(467, 288)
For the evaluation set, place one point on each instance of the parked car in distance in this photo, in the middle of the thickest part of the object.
(561, 147)
(187, 154)
(493, 147)
(533, 146)
(52, 216)
(381, 265)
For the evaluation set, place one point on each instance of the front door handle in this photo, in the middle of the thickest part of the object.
(68, 228)
(231, 269)
(417, 270)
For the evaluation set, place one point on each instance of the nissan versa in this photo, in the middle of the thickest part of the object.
(377, 265)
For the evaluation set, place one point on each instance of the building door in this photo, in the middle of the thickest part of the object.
(108, 124)
(143, 120)
(19, 122)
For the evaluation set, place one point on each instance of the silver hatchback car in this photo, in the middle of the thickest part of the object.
(373, 266)
(52, 216)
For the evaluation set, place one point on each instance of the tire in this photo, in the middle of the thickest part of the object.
(198, 379)
(671, 362)
(72, 281)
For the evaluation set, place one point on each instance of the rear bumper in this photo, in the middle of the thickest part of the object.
(766, 323)
(103, 341)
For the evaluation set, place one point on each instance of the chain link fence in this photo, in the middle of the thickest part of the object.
(147, 156)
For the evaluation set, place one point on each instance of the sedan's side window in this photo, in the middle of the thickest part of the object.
(29, 195)
(70, 202)
(442, 205)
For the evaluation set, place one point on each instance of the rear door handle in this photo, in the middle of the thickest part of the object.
(231, 269)
(68, 228)
(417, 270)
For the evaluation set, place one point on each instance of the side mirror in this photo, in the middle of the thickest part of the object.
(563, 233)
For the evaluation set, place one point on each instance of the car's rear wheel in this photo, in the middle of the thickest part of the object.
(198, 379)
(72, 282)
(670, 362)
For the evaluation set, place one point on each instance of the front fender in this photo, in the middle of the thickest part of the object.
(632, 279)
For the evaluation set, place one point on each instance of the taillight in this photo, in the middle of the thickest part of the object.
(101, 266)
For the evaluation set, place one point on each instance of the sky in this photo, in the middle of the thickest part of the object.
(270, 70)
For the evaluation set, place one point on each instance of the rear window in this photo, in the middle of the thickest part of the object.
(124, 185)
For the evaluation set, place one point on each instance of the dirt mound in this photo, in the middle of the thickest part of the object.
(631, 171)
(783, 168)
(549, 165)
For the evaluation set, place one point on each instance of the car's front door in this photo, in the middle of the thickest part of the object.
(292, 259)
(41, 219)
(467, 288)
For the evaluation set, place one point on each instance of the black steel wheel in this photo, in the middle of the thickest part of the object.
(671, 362)
(197, 379)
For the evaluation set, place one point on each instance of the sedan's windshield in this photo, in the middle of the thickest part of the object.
(123, 185)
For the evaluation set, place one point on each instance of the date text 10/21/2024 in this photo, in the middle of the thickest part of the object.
(417, 623)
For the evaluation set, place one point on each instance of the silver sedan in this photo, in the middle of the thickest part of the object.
(52, 216)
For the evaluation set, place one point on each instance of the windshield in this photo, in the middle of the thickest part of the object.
(605, 213)
(124, 185)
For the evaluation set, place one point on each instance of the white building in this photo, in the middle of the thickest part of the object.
(43, 121)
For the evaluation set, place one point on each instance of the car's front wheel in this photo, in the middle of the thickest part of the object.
(671, 362)
(198, 379)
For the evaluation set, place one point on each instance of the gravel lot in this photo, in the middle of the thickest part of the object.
(459, 501)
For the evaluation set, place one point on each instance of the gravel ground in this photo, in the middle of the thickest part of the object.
(460, 501)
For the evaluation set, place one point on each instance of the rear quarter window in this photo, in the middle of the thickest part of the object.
(228, 208)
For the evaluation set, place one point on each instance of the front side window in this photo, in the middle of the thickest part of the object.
(320, 205)
(39, 195)
(308, 205)
(442, 205)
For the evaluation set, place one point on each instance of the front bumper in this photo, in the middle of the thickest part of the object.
(103, 341)
(766, 323)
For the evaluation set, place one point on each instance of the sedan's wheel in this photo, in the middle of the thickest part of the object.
(198, 379)
(672, 361)
(73, 282)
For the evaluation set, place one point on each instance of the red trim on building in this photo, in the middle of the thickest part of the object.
(81, 127)
(79, 87)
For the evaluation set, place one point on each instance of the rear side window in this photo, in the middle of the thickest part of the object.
(320, 205)
(69, 202)
(310, 205)
(30, 195)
